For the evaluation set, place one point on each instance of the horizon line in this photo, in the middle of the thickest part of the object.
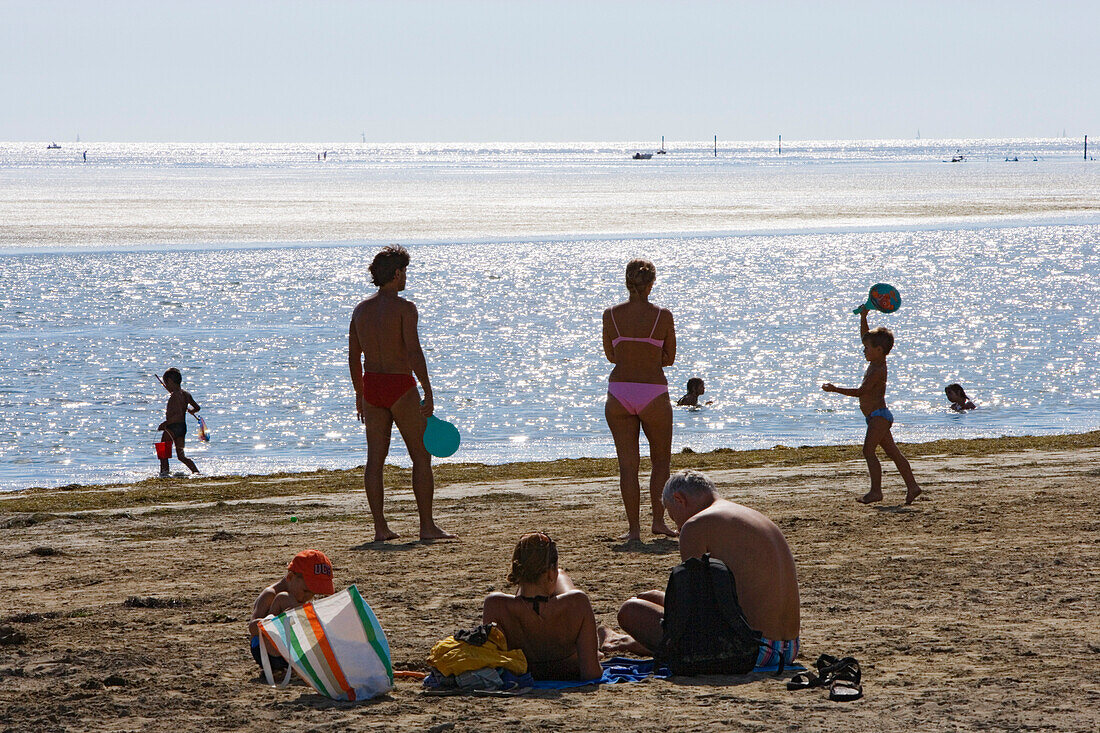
(707, 141)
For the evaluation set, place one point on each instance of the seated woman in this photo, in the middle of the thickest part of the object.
(548, 618)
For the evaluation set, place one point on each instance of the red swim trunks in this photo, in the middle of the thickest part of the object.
(382, 390)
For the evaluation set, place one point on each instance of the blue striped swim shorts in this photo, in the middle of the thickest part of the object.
(773, 651)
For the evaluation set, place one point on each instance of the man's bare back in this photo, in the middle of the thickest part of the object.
(379, 325)
(755, 551)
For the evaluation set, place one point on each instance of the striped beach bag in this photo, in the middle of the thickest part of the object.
(335, 644)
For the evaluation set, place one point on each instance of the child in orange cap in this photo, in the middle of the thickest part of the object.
(309, 574)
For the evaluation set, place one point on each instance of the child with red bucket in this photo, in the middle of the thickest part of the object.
(174, 427)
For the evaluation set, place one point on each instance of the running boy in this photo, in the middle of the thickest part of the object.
(872, 401)
(307, 575)
(175, 418)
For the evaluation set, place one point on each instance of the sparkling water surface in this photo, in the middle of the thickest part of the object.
(511, 325)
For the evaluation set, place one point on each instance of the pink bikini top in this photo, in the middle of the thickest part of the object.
(659, 343)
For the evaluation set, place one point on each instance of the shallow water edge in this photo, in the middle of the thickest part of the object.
(156, 491)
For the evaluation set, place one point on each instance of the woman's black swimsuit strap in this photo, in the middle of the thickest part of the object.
(535, 601)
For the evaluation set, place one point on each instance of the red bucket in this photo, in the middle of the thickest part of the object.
(164, 450)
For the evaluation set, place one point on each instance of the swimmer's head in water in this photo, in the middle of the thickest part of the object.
(640, 275)
(535, 553)
(881, 337)
(386, 264)
(695, 386)
(955, 392)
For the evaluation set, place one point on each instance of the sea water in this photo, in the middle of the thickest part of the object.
(240, 264)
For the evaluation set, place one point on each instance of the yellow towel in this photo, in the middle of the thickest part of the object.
(455, 657)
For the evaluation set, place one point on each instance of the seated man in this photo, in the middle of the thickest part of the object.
(750, 545)
(548, 618)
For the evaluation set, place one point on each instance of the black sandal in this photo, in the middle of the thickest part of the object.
(825, 664)
(803, 681)
(841, 675)
(846, 681)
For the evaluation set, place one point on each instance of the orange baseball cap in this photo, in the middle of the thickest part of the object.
(316, 568)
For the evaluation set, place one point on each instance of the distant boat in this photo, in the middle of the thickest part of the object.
(662, 151)
(53, 146)
(642, 156)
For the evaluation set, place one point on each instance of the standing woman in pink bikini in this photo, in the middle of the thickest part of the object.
(640, 340)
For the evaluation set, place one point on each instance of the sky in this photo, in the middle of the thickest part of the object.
(424, 71)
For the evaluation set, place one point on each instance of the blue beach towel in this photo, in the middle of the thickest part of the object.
(625, 669)
(615, 670)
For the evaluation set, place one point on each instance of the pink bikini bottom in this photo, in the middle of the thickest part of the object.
(635, 396)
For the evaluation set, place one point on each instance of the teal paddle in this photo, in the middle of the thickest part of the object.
(883, 297)
(441, 438)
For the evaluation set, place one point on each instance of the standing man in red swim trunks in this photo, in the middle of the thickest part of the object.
(383, 348)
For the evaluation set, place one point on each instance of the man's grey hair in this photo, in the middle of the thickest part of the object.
(689, 483)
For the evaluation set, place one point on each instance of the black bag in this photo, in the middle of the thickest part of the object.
(705, 631)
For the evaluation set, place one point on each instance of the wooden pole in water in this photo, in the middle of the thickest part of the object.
(715, 146)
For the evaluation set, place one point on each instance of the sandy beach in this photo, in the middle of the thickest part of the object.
(973, 609)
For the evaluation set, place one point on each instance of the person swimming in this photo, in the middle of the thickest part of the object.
(957, 395)
(696, 388)
(548, 618)
(637, 392)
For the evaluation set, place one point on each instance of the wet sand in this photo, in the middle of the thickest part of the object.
(973, 609)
